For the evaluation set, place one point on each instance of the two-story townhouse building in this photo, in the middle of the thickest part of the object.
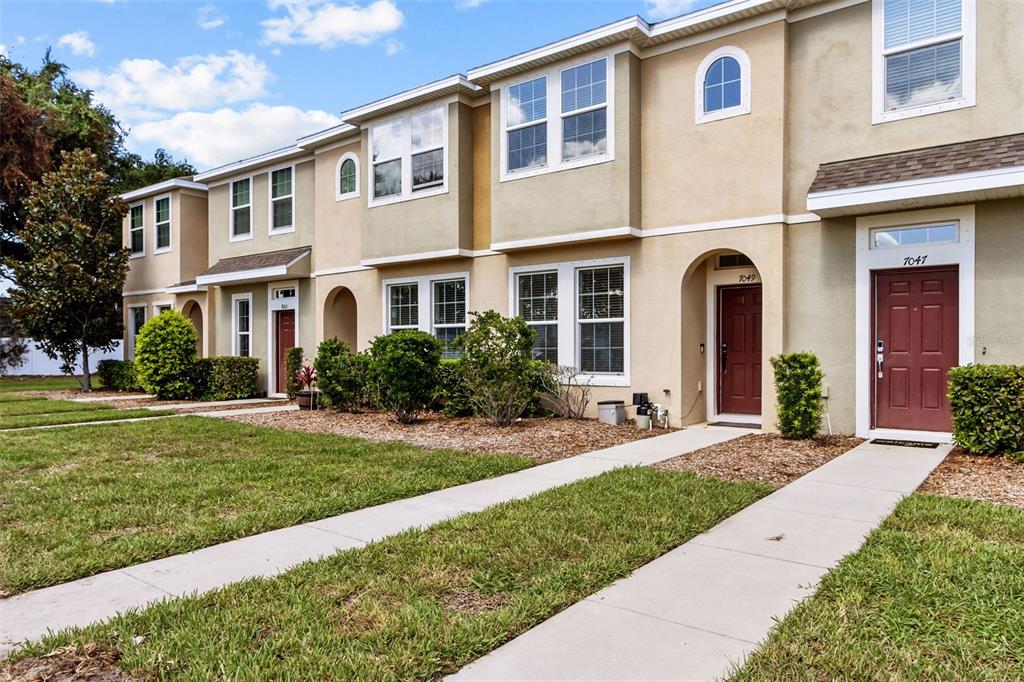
(669, 205)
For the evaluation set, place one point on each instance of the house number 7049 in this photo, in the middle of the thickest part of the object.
(915, 260)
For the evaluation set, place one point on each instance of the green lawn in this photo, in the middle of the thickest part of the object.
(936, 593)
(74, 502)
(17, 411)
(29, 383)
(424, 603)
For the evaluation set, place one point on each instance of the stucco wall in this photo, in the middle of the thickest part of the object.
(339, 224)
(192, 240)
(999, 305)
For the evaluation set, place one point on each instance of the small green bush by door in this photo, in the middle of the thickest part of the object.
(292, 363)
(342, 374)
(496, 366)
(165, 355)
(226, 377)
(988, 408)
(118, 375)
(403, 372)
(798, 387)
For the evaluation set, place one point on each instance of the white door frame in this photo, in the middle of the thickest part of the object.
(272, 307)
(959, 253)
(716, 279)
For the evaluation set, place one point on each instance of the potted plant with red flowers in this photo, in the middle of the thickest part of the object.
(307, 397)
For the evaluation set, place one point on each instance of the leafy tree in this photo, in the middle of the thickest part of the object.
(135, 172)
(68, 289)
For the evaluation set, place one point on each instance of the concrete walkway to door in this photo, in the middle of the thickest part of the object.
(692, 613)
(30, 615)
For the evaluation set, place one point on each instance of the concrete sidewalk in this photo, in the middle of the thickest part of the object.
(692, 613)
(29, 616)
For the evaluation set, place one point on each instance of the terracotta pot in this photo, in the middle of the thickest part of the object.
(307, 400)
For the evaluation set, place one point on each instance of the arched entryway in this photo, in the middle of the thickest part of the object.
(340, 316)
(722, 337)
(194, 312)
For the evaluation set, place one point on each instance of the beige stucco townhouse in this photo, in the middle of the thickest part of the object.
(668, 205)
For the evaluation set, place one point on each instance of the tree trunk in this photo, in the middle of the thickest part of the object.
(86, 374)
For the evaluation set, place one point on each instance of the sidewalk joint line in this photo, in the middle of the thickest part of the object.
(667, 620)
(764, 556)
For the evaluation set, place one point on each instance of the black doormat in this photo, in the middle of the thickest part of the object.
(738, 425)
(905, 443)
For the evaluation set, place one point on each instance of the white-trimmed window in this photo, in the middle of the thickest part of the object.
(241, 209)
(722, 85)
(536, 140)
(137, 231)
(409, 156)
(895, 237)
(580, 311)
(923, 57)
(282, 200)
(241, 323)
(162, 224)
(348, 177)
(136, 318)
(434, 304)
(537, 304)
(159, 308)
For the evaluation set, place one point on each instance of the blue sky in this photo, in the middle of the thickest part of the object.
(219, 80)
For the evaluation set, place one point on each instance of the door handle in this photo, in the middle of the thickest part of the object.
(879, 357)
(725, 357)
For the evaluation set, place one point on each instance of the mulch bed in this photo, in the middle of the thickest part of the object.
(978, 477)
(766, 457)
(91, 663)
(541, 440)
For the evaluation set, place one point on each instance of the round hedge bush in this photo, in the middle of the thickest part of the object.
(165, 356)
(403, 371)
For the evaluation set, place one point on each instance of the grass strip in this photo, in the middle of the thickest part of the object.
(45, 406)
(34, 383)
(424, 603)
(936, 593)
(84, 500)
(89, 414)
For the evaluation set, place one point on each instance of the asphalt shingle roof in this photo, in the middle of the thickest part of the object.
(256, 261)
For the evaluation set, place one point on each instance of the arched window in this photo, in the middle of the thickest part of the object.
(723, 85)
(348, 177)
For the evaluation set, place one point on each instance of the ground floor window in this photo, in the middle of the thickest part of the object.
(242, 323)
(442, 314)
(579, 313)
(136, 318)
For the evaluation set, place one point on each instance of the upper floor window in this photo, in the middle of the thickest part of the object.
(409, 156)
(162, 224)
(241, 209)
(924, 57)
(348, 177)
(536, 140)
(722, 86)
(281, 200)
(136, 231)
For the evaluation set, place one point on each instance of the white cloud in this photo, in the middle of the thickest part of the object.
(317, 22)
(663, 9)
(136, 88)
(469, 4)
(212, 138)
(209, 17)
(392, 47)
(78, 42)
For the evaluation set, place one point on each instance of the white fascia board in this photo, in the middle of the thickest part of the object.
(141, 292)
(448, 85)
(324, 136)
(975, 181)
(187, 289)
(275, 272)
(570, 238)
(412, 257)
(175, 183)
(251, 162)
(716, 13)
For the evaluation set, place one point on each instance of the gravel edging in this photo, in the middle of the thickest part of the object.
(987, 478)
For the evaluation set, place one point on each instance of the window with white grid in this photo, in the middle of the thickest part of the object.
(600, 294)
(449, 318)
(537, 304)
(403, 306)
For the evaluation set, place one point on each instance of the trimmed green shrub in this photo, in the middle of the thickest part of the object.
(165, 355)
(452, 396)
(117, 375)
(798, 387)
(403, 372)
(342, 374)
(292, 365)
(496, 366)
(226, 377)
(988, 409)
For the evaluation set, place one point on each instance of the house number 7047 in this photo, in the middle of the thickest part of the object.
(915, 260)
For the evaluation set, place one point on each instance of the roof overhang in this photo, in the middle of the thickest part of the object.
(998, 183)
(160, 187)
(452, 85)
(184, 288)
(296, 268)
(322, 137)
(277, 156)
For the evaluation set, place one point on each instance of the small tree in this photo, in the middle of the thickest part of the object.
(403, 372)
(68, 291)
(567, 392)
(496, 366)
(165, 356)
(798, 388)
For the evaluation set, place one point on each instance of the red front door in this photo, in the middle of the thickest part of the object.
(739, 349)
(284, 338)
(915, 343)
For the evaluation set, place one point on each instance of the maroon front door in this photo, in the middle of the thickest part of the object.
(284, 338)
(915, 343)
(739, 349)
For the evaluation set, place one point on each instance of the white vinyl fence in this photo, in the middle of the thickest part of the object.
(37, 364)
